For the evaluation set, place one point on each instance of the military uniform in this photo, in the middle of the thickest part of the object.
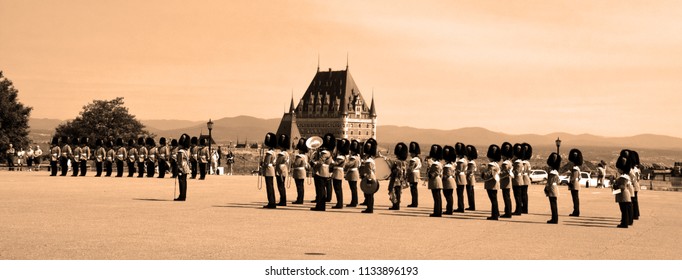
(163, 153)
(368, 174)
(635, 175)
(576, 157)
(517, 178)
(100, 155)
(621, 189)
(527, 153)
(398, 177)
(142, 155)
(65, 156)
(282, 168)
(121, 157)
(85, 155)
(449, 182)
(300, 169)
(352, 172)
(551, 188)
(472, 154)
(268, 169)
(109, 160)
(491, 180)
(75, 157)
(183, 166)
(435, 184)
(506, 177)
(55, 153)
(343, 149)
(132, 157)
(202, 159)
(460, 175)
(174, 158)
(194, 157)
(153, 157)
(414, 172)
(321, 177)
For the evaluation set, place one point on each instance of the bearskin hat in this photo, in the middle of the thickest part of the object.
(414, 148)
(270, 140)
(370, 147)
(74, 141)
(150, 142)
(355, 147)
(554, 161)
(99, 142)
(576, 157)
(110, 143)
(131, 142)
(449, 154)
(625, 153)
(436, 152)
(401, 150)
(65, 140)
(518, 151)
(119, 142)
(174, 142)
(460, 150)
(85, 140)
(472, 153)
(140, 141)
(55, 140)
(162, 141)
(202, 141)
(343, 146)
(527, 151)
(301, 146)
(283, 142)
(185, 141)
(507, 150)
(194, 141)
(329, 142)
(634, 158)
(624, 164)
(494, 153)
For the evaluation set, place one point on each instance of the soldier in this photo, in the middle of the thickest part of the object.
(174, 158)
(194, 159)
(142, 155)
(163, 153)
(55, 153)
(183, 166)
(100, 155)
(414, 172)
(300, 169)
(267, 166)
(202, 160)
(397, 178)
(472, 154)
(576, 157)
(282, 167)
(631, 186)
(329, 141)
(460, 175)
(322, 161)
(343, 149)
(66, 154)
(153, 156)
(351, 169)
(621, 188)
(109, 161)
(121, 157)
(517, 178)
(635, 175)
(132, 157)
(506, 177)
(491, 179)
(449, 183)
(435, 173)
(527, 154)
(551, 188)
(75, 157)
(85, 155)
(369, 184)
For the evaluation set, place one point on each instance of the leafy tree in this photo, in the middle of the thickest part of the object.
(13, 118)
(105, 119)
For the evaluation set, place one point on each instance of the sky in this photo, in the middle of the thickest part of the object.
(609, 68)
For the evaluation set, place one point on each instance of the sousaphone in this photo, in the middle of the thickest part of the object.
(314, 142)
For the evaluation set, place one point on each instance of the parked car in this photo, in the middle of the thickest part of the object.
(538, 176)
(586, 180)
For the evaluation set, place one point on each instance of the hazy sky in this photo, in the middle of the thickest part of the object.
(611, 68)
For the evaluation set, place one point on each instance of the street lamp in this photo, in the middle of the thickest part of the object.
(209, 124)
(558, 144)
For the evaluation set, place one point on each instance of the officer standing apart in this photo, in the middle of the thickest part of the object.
(183, 166)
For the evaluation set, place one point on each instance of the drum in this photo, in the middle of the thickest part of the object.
(369, 187)
(383, 168)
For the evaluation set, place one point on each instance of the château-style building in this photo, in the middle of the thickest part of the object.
(331, 104)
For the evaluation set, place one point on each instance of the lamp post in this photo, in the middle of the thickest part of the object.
(209, 124)
(558, 144)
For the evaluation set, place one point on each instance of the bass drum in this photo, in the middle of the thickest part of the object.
(369, 187)
(383, 168)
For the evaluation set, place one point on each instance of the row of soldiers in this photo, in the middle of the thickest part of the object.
(142, 157)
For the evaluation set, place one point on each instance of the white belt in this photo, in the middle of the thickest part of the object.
(338, 168)
(353, 169)
(299, 168)
(269, 164)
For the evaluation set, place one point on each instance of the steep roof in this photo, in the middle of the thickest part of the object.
(334, 91)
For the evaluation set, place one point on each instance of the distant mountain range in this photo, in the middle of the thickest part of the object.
(251, 129)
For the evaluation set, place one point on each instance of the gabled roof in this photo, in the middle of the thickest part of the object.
(335, 90)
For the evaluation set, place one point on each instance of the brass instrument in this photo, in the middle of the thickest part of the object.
(313, 143)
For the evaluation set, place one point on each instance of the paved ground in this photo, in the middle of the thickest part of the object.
(135, 218)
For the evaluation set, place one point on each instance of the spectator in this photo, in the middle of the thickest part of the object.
(37, 157)
(29, 158)
(230, 162)
(21, 158)
(11, 153)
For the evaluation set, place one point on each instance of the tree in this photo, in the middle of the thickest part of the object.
(105, 119)
(13, 118)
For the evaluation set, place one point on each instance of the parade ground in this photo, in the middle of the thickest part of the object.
(84, 218)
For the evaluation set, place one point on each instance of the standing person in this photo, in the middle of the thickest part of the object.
(351, 169)
(321, 162)
(11, 153)
(491, 179)
(121, 156)
(100, 155)
(551, 188)
(369, 184)
(76, 157)
(343, 149)
(527, 154)
(398, 176)
(635, 175)
(414, 172)
(183, 166)
(202, 160)
(435, 173)
(472, 154)
(37, 157)
(268, 168)
(111, 156)
(628, 154)
(460, 174)
(153, 154)
(282, 167)
(517, 178)
(55, 153)
(29, 158)
(215, 161)
(142, 156)
(66, 154)
(194, 159)
(621, 188)
(21, 158)
(576, 157)
(300, 169)
(230, 162)
(132, 157)
(85, 155)
(329, 142)
(174, 158)
(601, 174)
(506, 177)
(163, 155)
(449, 182)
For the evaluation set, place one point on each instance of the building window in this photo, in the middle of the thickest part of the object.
(351, 133)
